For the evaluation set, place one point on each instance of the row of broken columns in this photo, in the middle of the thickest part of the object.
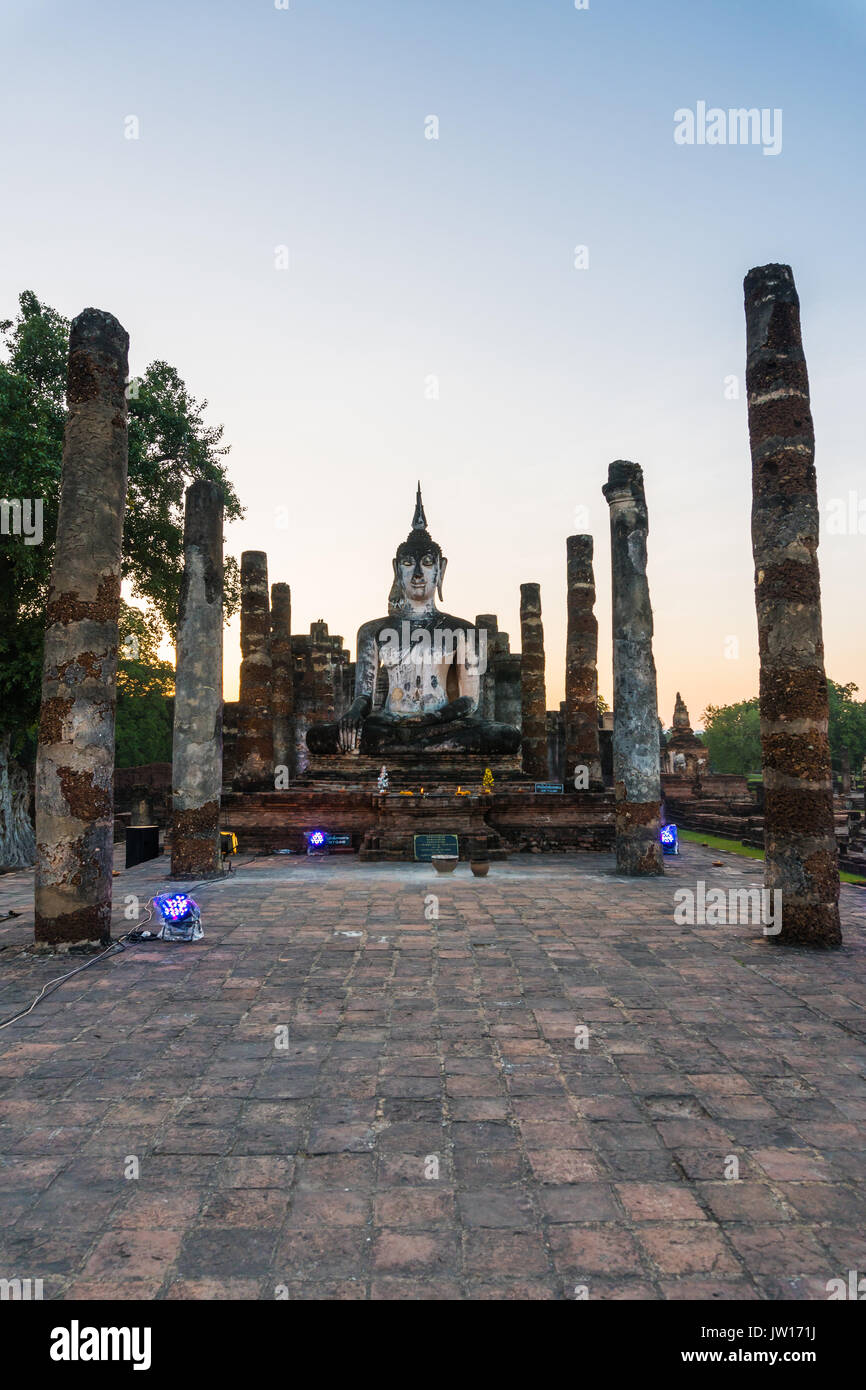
(75, 760)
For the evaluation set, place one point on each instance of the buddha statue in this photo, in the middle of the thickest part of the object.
(433, 660)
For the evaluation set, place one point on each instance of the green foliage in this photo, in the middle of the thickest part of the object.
(144, 729)
(732, 732)
(847, 725)
(169, 446)
(145, 690)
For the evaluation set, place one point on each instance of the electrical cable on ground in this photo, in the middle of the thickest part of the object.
(113, 949)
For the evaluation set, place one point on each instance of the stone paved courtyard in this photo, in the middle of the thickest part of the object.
(419, 1046)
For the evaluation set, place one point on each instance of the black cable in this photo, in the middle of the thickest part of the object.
(112, 949)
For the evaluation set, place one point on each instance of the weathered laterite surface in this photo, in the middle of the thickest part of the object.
(581, 664)
(636, 770)
(197, 742)
(283, 700)
(532, 694)
(800, 847)
(194, 844)
(254, 750)
(75, 760)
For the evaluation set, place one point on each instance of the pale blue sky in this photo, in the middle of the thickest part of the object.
(411, 257)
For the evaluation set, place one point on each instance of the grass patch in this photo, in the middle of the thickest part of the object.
(737, 847)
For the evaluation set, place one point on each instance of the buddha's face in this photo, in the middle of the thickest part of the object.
(419, 575)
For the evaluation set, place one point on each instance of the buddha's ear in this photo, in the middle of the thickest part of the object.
(442, 565)
(396, 593)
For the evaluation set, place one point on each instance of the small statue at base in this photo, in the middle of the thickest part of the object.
(382, 780)
(434, 663)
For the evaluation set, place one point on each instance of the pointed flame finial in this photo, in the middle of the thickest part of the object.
(419, 520)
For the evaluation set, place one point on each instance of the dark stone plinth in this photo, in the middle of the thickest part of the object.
(540, 822)
(412, 768)
(382, 827)
(400, 818)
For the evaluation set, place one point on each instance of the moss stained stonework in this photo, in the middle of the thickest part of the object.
(197, 742)
(283, 700)
(801, 860)
(75, 757)
(254, 750)
(581, 665)
(532, 693)
(636, 762)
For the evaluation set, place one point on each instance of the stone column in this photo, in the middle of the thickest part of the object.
(75, 758)
(636, 773)
(254, 758)
(581, 665)
(283, 702)
(488, 623)
(532, 694)
(845, 771)
(801, 859)
(197, 748)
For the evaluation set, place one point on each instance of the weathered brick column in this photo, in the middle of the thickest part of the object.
(283, 700)
(488, 623)
(75, 758)
(801, 858)
(581, 665)
(532, 693)
(636, 772)
(198, 702)
(254, 757)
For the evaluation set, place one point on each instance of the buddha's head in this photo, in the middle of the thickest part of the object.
(419, 565)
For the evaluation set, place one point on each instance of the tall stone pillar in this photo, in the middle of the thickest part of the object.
(636, 772)
(801, 860)
(254, 758)
(845, 771)
(532, 694)
(75, 758)
(581, 665)
(198, 702)
(283, 702)
(487, 623)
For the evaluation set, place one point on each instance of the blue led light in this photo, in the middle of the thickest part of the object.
(668, 838)
(317, 837)
(175, 907)
(181, 917)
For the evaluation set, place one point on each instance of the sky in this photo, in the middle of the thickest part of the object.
(362, 305)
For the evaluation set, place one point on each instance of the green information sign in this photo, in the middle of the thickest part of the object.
(428, 845)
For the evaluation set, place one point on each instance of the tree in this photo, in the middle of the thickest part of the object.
(732, 734)
(847, 725)
(145, 691)
(169, 447)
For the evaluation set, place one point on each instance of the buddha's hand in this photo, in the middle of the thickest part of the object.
(350, 724)
(348, 734)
